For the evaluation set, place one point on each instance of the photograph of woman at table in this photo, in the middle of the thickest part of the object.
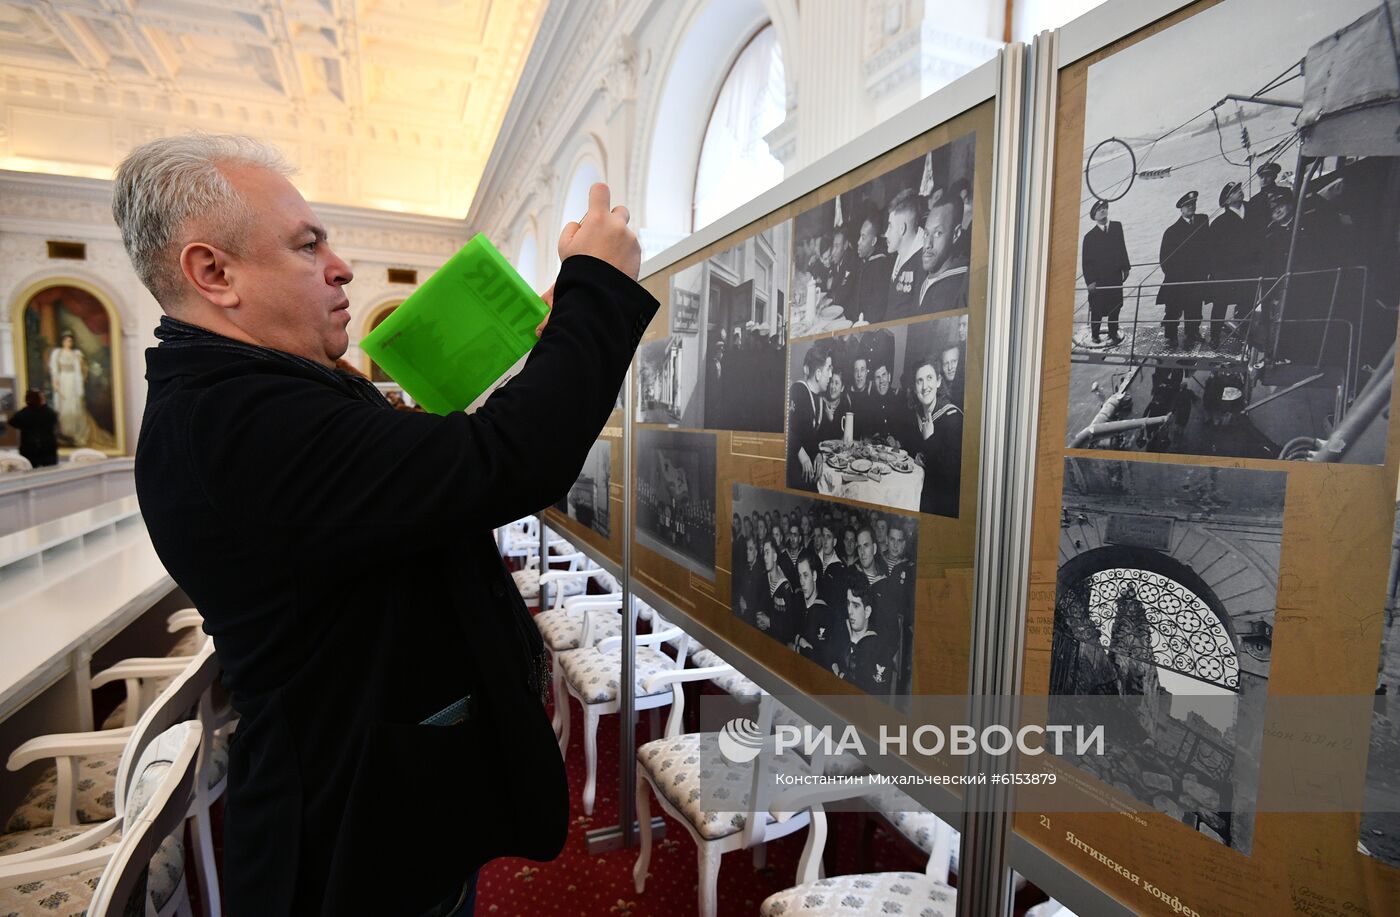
(887, 455)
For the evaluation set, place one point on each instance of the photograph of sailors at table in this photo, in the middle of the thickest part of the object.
(1239, 239)
(832, 582)
(877, 416)
(896, 247)
(675, 488)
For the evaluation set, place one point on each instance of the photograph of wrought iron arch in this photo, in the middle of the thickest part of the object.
(1163, 630)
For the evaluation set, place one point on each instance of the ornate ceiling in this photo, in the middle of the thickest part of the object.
(389, 104)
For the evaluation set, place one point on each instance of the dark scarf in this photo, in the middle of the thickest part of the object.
(173, 333)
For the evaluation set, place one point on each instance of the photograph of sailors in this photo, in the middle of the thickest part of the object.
(1164, 615)
(910, 229)
(1239, 238)
(856, 619)
(896, 438)
(676, 497)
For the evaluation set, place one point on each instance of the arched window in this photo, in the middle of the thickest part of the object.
(527, 260)
(735, 165)
(576, 199)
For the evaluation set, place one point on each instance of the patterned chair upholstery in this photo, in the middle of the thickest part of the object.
(918, 825)
(698, 781)
(905, 893)
(562, 630)
(94, 793)
(732, 682)
(69, 893)
(595, 676)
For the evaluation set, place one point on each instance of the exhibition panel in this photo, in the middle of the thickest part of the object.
(1029, 396)
(1213, 494)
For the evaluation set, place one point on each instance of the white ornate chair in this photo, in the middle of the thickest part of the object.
(99, 871)
(82, 787)
(925, 894)
(14, 462)
(931, 834)
(527, 578)
(88, 768)
(725, 806)
(592, 675)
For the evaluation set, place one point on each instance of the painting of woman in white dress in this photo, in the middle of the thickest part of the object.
(68, 372)
(69, 355)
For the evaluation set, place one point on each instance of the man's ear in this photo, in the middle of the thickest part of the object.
(207, 269)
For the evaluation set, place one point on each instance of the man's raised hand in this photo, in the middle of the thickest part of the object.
(603, 234)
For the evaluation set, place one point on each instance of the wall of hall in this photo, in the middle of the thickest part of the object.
(626, 86)
(35, 209)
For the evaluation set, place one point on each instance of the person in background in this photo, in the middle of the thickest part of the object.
(1105, 261)
(817, 637)
(1234, 250)
(873, 289)
(903, 240)
(882, 405)
(1185, 259)
(962, 233)
(37, 424)
(845, 269)
(951, 383)
(1259, 212)
(777, 614)
(264, 474)
(805, 407)
(850, 555)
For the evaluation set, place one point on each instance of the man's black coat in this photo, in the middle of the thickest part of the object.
(1185, 256)
(1105, 259)
(340, 553)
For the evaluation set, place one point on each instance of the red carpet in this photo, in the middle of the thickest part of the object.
(578, 884)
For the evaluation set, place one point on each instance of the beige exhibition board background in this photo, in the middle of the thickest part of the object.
(943, 615)
(610, 547)
(1331, 590)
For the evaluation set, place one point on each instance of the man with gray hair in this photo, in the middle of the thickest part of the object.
(266, 475)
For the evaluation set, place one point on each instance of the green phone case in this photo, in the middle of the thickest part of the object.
(460, 330)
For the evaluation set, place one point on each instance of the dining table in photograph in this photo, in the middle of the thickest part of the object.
(870, 473)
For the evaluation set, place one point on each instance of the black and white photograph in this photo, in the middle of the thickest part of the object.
(896, 247)
(744, 318)
(1165, 598)
(587, 502)
(676, 497)
(877, 416)
(1238, 265)
(668, 370)
(1380, 823)
(832, 582)
(721, 365)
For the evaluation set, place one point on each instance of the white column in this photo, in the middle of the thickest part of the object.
(830, 83)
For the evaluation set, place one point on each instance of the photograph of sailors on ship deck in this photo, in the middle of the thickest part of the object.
(1238, 263)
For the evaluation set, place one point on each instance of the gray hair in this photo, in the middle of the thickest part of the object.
(163, 185)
